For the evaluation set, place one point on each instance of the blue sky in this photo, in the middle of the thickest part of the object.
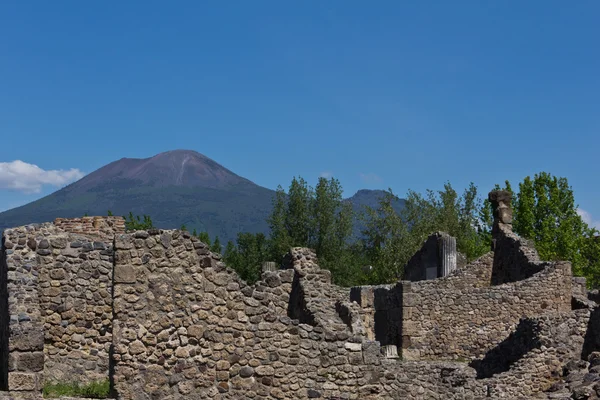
(379, 94)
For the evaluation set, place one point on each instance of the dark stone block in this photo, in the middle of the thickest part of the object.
(28, 337)
(32, 244)
(246, 371)
(30, 362)
(141, 234)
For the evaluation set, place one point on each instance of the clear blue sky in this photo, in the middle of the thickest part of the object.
(380, 94)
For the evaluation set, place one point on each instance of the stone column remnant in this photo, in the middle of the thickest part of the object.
(501, 204)
(447, 254)
(269, 266)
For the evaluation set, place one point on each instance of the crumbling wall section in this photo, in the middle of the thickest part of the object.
(441, 322)
(59, 307)
(186, 326)
(25, 329)
(514, 258)
(547, 344)
(75, 294)
(4, 317)
(380, 311)
(324, 304)
(102, 227)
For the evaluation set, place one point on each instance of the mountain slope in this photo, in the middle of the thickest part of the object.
(175, 188)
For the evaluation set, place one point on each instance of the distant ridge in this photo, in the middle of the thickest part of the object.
(178, 187)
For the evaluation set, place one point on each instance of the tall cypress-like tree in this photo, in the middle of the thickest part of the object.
(280, 239)
(298, 218)
(216, 246)
(546, 213)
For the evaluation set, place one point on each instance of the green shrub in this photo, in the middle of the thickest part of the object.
(94, 390)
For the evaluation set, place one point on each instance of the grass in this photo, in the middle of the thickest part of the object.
(94, 390)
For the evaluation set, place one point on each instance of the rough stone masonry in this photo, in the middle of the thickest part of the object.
(161, 317)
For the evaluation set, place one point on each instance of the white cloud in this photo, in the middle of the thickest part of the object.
(326, 174)
(29, 178)
(588, 219)
(370, 178)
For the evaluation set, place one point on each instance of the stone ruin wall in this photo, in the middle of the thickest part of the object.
(448, 323)
(101, 227)
(60, 305)
(25, 340)
(75, 294)
(185, 326)
(467, 313)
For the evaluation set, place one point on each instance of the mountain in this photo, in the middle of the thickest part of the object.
(175, 188)
(368, 198)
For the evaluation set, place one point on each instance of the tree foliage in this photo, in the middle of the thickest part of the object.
(247, 257)
(392, 238)
(137, 223)
(317, 218)
(215, 247)
(545, 212)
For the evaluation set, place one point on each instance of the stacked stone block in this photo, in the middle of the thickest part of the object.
(181, 324)
(24, 338)
(103, 227)
(75, 294)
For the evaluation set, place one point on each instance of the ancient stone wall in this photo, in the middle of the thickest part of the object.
(449, 323)
(75, 294)
(180, 324)
(514, 258)
(59, 307)
(103, 227)
(26, 325)
(185, 325)
(4, 317)
(381, 307)
(532, 359)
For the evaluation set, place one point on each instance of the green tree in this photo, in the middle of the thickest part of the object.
(391, 238)
(135, 223)
(216, 246)
(280, 239)
(546, 213)
(298, 219)
(230, 254)
(331, 229)
(110, 214)
(204, 238)
(386, 240)
(246, 259)
(316, 218)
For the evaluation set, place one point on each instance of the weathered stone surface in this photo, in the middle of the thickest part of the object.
(124, 274)
(180, 324)
(21, 381)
